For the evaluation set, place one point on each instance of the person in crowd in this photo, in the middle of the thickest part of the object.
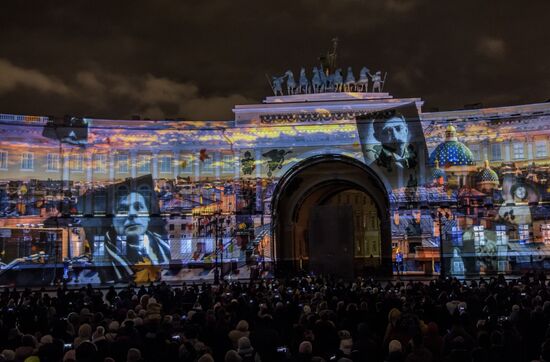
(246, 351)
(329, 320)
(241, 330)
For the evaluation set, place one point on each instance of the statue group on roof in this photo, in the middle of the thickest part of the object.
(322, 82)
(327, 78)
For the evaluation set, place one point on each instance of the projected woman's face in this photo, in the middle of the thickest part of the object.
(518, 195)
(132, 215)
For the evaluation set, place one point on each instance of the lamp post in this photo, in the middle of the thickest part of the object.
(442, 271)
(220, 247)
(216, 270)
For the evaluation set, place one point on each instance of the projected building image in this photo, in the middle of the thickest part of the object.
(347, 183)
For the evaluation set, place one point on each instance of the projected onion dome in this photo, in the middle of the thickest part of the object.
(451, 152)
(487, 178)
(438, 175)
(487, 174)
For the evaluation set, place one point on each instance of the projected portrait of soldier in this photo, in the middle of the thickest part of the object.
(132, 250)
(394, 150)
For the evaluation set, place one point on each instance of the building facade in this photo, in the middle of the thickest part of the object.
(362, 182)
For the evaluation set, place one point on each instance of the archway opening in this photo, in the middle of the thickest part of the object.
(331, 217)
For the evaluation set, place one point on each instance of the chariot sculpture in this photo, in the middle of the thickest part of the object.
(323, 81)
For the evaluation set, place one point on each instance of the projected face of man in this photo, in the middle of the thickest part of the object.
(132, 216)
(394, 135)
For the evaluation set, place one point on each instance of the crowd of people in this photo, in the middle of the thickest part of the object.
(297, 319)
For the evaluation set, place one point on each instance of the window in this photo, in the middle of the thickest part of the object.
(122, 162)
(479, 235)
(100, 203)
(100, 162)
(502, 238)
(120, 193)
(165, 163)
(99, 246)
(171, 227)
(545, 231)
(475, 152)
(518, 151)
(145, 191)
(76, 162)
(144, 163)
(27, 161)
(540, 149)
(228, 162)
(52, 162)
(523, 231)
(186, 247)
(207, 164)
(3, 160)
(456, 236)
(496, 152)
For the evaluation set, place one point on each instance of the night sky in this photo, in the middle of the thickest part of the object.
(196, 59)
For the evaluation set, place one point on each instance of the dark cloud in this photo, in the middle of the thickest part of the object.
(197, 59)
(492, 47)
(13, 77)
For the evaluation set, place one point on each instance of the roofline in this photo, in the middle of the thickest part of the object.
(532, 109)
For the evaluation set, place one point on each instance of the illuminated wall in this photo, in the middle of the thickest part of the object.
(148, 199)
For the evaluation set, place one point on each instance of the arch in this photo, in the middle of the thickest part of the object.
(322, 176)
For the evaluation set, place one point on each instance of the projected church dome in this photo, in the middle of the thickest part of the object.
(438, 175)
(487, 174)
(452, 152)
(487, 178)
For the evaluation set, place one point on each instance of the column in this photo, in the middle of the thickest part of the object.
(176, 163)
(258, 162)
(530, 154)
(155, 162)
(422, 162)
(484, 150)
(258, 158)
(217, 158)
(237, 155)
(133, 163)
(111, 165)
(65, 164)
(507, 151)
(196, 165)
(89, 164)
(400, 181)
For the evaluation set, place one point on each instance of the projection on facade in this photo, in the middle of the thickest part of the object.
(108, 201)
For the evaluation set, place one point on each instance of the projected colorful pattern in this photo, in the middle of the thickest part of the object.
(175, 199)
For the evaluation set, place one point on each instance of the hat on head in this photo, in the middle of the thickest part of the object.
(46, 339)
(133, 355)
(8, 354)
(114, 326)
(206, 358)
(242, 326)
(395, 346)
(244, 346)
(305, 347)
(232, 356)
(70, 355)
